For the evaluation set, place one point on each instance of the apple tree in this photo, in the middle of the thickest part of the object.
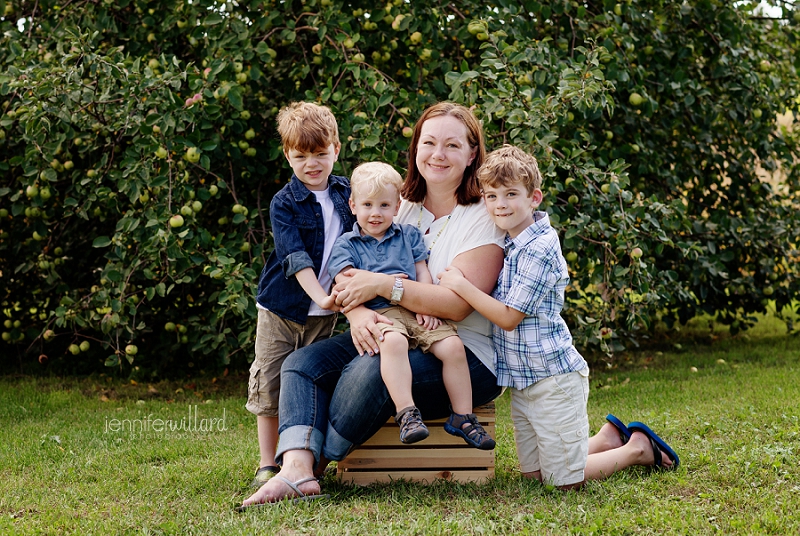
(138, 155)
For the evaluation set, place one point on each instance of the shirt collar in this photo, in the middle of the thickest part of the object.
(300, 191)
(539, 227)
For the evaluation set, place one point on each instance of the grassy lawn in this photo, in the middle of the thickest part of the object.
(65, 469)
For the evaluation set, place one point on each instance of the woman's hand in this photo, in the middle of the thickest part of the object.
(359, 286)
(364, 329)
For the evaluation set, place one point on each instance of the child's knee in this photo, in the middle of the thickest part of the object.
(449, 349)
(394, 343)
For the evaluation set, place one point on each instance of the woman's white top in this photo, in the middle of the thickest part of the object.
(466, 228)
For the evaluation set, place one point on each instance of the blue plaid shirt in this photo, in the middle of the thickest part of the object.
(533, 280)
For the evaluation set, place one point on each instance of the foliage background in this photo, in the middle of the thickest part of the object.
(651, 121)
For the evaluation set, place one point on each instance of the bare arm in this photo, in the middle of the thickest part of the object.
(308, 280)
(507, 318)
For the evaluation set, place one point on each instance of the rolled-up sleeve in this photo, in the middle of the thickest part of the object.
(341, 256)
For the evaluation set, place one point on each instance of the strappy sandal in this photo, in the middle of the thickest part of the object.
(473, 434)
(412, 429)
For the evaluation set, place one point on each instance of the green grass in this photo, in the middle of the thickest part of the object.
(734, 422)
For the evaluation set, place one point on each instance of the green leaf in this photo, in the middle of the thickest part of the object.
(101, 242)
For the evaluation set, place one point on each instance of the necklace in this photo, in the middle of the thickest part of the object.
(419, 226)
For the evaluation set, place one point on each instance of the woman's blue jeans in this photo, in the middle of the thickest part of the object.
(332, 399)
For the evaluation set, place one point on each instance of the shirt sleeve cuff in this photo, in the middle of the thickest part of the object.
(294, 262)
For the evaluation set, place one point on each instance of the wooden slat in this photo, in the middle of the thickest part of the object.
(428, 476)
(442, 458)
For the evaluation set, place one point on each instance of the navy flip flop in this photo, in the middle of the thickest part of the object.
(659, 446)
(624, 433)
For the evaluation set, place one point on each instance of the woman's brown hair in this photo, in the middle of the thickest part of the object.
(468, 191)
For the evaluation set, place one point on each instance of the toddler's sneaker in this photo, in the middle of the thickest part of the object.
(412, 429)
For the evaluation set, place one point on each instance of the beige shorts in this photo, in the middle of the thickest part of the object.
(276, 338)
(551, 427)
(405, 322)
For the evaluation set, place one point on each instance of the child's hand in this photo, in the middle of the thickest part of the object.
(451, 278)
(329, 303)
(428, 322)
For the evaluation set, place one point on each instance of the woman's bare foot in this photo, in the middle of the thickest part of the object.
(297, 469)
(644, 455)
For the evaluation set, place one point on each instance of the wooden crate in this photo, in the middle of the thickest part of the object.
(383, 458)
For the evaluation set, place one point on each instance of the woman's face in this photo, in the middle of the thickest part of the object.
(443, 152)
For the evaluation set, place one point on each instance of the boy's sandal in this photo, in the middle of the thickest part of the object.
(263, 474)
(473, 434)
(412, 429)
(624, 433)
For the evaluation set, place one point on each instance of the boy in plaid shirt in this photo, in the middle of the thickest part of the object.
(534, 354)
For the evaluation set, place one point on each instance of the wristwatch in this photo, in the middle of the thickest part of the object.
(397, 291)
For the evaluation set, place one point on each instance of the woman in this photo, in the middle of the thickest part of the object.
(332, 395)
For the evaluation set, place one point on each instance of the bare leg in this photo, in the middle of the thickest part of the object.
(297, 465)
(396, 370)
(606, 439)
(267, 439)
(455, 372)
(637, 451)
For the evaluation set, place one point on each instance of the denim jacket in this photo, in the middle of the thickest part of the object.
(297, 228)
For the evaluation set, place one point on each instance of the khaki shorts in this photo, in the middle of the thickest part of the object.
(551, 427)
(276, 338)
(405, 322)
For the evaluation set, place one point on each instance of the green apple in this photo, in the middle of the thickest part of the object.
(193, 155)
(757, 113)
(245, 247)
(6, 336)
(416, 38)
(32, 191)
(605, 188)
(176, 221)
(161, 152)
(408, 132)
(186, 211)
(348, 43)
(45, 194)
(169, 326)
(618, 9)
(251, 151)
(3, 213)
(84, 346)
(74, 349)
(765, 66)
(635, 99)
(48, 335)
(572, 256)
(249, 134)
(69, 165)
(131, 350)
(768, 290)
(213, 189)
(243, 145)
(636, 253)
(197, 206)
(573, 199)
(477, 26)
(239, 209)
(8, 324)
(358, 58)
